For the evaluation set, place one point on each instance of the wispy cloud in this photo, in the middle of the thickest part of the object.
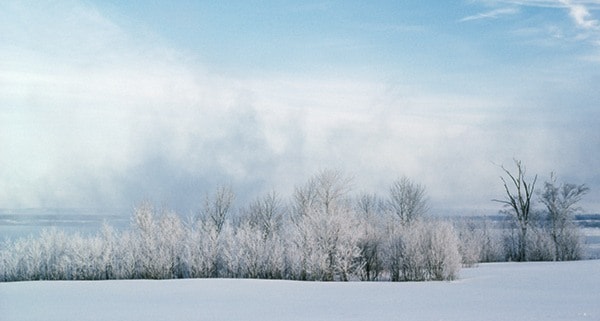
(579, 10)
(591, 4)
(581, 15)
(582, 26)
(492, 14)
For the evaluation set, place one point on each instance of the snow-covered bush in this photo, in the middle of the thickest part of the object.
(479, 241)
(325, 230)
(538, 243)
(423, 250)
(442, 257)
(540, 247)
(470, 242)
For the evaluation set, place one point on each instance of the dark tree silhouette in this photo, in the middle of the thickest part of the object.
(518, 202)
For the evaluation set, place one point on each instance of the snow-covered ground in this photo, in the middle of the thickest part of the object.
(501, 291)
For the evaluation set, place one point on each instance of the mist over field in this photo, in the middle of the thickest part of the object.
(108, 104)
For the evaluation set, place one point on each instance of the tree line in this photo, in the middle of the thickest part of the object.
(322, 233)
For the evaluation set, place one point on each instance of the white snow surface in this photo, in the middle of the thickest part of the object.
(499, 291)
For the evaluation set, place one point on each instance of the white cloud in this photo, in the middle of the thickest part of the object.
(581, 15)
(111, 120)
(492, 14)
(543, 3)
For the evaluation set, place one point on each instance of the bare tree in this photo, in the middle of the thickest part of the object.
(518, 202)
(266, 214)
(217, 208)
(561, 204)
(333, 186)
(407, 200)
(305, 198)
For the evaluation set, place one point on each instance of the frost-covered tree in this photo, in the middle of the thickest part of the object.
(146, 239)
(324, 229)
(266, 214)
(256, 255)
(212, 221)
(407, 200)
(253, 247)
(171, 250)
(202, 250)
(159, 248)
(108, 253)
(479, 241)
(443, 259)
(126, 264)
(470, 241)
(370, 211)
(561, 202)
(424, 250)
(324, 191)
(539, 243)
(218, 207)
(417, 249)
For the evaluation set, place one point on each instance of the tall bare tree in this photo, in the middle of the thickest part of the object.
(518, 202)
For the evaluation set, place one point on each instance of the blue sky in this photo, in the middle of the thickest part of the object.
(108, 103)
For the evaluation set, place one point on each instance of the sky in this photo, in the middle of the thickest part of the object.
(105, 104)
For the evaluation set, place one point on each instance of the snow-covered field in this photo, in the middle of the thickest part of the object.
(500, 291)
